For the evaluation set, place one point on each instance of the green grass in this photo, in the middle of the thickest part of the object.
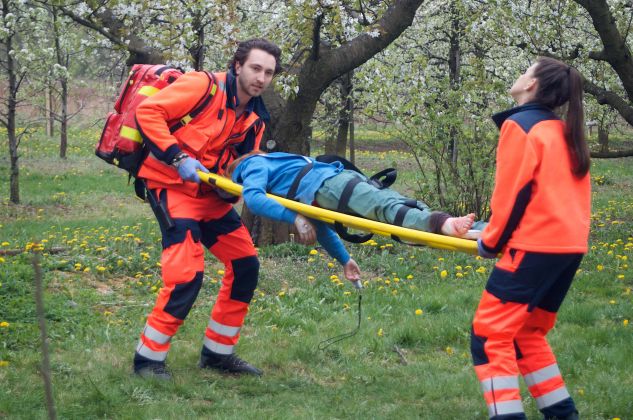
(102, 284)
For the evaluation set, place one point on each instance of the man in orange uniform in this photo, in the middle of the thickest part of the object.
(229, 121)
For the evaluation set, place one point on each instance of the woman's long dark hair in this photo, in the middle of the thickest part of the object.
(559, 84)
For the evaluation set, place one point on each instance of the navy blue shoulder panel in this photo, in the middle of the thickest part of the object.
(529, 118)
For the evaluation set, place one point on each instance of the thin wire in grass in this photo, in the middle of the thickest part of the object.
(328, 342)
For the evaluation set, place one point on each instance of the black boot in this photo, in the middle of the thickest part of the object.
(572, 416)
(154, 370)
(227, 364)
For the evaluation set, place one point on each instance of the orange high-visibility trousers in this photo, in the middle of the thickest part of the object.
(515, 313)
(200, 222)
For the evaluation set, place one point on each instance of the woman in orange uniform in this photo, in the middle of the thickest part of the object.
(541, 208)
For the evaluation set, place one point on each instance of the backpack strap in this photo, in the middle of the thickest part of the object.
(292, 191)
(212, 89)
(384, 178)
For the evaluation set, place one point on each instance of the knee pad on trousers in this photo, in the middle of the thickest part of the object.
(245, 272)
(178, 233)
(212, 229)
(477, 349)
(183, 296)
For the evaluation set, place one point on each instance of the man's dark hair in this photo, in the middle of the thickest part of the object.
(244, 48)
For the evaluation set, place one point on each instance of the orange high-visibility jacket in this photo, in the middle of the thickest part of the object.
(537, 204)
(214, 137)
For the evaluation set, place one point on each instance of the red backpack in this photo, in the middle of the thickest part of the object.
(121, 143)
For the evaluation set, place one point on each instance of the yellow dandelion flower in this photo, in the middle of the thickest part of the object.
(1, 260)
(310, 278)
(153, 289)
(281, 294)
(459, 275)
(443, 274)
(380, 333)
(449, 351)
(419, 311)
(481, 270)
(333, 277)
(409, 277)
(220, 272)
(330, 265)
(581, 391)
(458, 267)
(600, 267)
(345, 306)
(313, 252)
(101, 268)
(4, 363)
(440, 259)
(4, 324)
(612, 302)
(620, 276)
(87, 270)
(5, 243)
(107, 313)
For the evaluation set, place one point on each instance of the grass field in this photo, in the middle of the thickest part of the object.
(409, 360)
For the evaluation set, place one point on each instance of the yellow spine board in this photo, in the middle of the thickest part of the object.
(329, 216)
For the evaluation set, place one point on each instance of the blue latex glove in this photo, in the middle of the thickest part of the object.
(188, 170)
(482, 251)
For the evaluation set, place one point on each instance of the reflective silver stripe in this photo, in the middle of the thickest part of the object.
(225, 330)
(143, 350)
(217, 347)
(500, 382)
(155, 335)
(541, 375)
(552, 398)
(505, 407)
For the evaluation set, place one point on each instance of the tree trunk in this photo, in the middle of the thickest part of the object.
(344, 115)
(352, 142)
(62, 60)
(198, 49)
(63, 131)
(603, 139)
(612, 155)
(454, 69)
(49, 110)
(290, 126)
(104, 21)
(293, 132)
(14, 177)
(616, 52)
